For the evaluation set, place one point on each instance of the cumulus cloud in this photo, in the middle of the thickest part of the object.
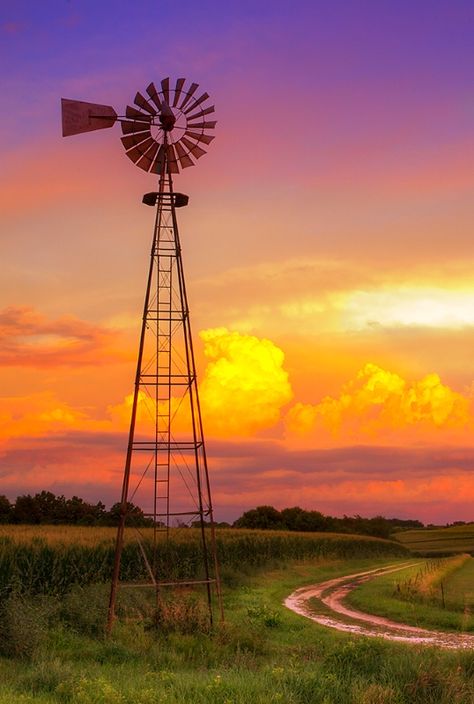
(243, 388)
(29, 338)
(244, 385)
(378, 400)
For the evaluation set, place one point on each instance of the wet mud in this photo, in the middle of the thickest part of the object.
(324, 603)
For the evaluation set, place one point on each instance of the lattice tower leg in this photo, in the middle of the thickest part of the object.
(166, 464)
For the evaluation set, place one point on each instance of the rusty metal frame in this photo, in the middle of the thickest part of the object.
(163, 445)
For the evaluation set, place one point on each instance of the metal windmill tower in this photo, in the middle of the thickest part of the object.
(166, 468)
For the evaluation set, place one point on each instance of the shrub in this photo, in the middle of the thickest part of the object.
(23, 625)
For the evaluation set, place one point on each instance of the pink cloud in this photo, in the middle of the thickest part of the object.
(29, 338)
(430, 484)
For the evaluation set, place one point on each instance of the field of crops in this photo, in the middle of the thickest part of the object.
(50, 559)
(439, 541)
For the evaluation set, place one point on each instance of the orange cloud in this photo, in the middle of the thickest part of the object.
(42, 414)
(29, 338)
(378, 400)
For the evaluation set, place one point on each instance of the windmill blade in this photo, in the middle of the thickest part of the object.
(144, 104)
(203, 125)
(165, 89)
(147, 128)
(194, 149)
(184, 159)
(147, 159)
(137, 152)
(134, 139)
(159, 162)
(137, 162)
(135, 114)
(133, 127)
(171, 160)
(197, 102)
(206, 138)
(201, 113)
(177, 90)
(153, 93)
(79, 117)
(189, 95)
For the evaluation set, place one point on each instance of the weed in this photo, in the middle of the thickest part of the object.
(23, 625)
(264, 614)
(181, 613)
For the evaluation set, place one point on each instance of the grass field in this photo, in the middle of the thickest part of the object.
(53, 650)
(263, 654)
(459, 587)
(438, 541)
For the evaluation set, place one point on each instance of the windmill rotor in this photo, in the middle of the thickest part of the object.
(164, 130)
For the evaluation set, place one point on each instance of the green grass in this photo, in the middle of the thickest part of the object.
(438, 541)
(264, 654)
(459, 587)
(54, 651)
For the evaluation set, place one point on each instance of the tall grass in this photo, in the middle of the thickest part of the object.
(250, 658)
(57, 560)
(428, 585)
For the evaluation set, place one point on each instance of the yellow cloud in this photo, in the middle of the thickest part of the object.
(378, 399)
(244, 384)
(242, 391)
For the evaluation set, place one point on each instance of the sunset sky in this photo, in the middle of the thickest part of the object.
(327, 247)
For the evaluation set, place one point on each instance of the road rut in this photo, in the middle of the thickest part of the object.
(342, 617)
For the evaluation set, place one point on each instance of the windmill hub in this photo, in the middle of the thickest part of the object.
(167, 117)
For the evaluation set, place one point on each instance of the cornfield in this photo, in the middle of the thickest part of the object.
(51, 559)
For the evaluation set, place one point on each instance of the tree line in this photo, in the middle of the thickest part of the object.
(45, 507)
(296, 518)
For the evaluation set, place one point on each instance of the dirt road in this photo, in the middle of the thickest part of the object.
(329, 597)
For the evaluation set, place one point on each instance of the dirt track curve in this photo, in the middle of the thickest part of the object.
(339, 615)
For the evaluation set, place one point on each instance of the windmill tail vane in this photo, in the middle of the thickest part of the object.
(166, 469)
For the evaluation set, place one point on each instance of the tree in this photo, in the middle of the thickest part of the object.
(296, 518)
(135, 515)
(26, 510)
(6, 509)
(80, 511)
(52, 508)
(263, 517)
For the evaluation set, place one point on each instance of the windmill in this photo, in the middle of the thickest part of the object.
(166, 469)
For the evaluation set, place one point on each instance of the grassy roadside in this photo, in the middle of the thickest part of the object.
(459, 587)
(263, 654)
(387, 596)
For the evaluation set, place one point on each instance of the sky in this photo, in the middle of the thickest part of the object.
(327, 247)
